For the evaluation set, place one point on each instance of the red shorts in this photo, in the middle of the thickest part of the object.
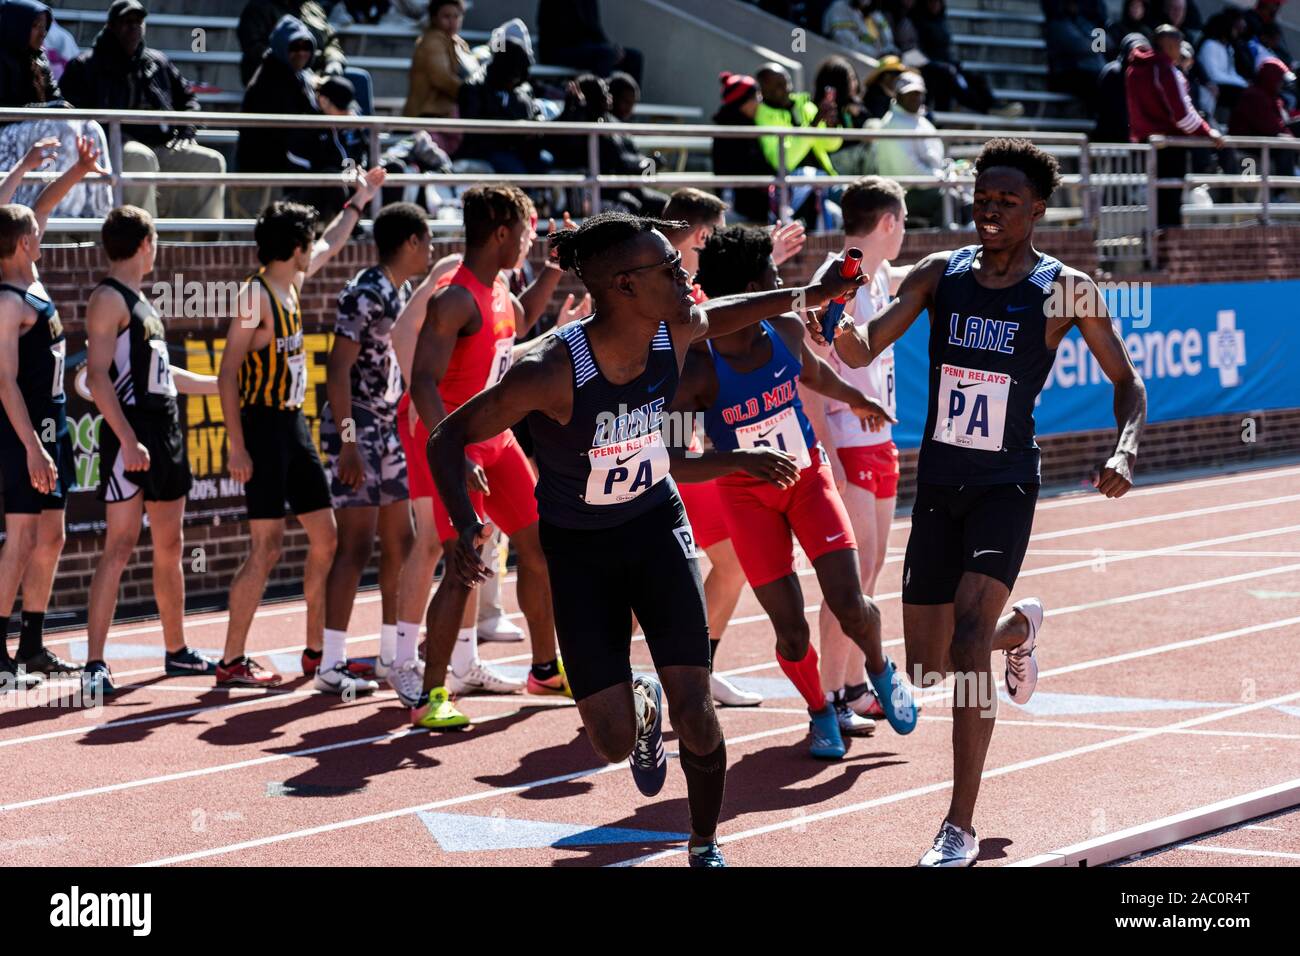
(704, 511)
(761, 517)
(510, 503)
(873, 467)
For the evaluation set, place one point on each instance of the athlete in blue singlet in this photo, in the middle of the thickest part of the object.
(997, 311)
(611, 524)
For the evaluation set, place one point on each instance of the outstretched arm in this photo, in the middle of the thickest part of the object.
(34, 159)
(337, 232)
(50, 197)
(916, 294)
(1116, 476)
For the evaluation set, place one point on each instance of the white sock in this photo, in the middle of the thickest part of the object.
(387, 641)
(407, 636)
(465, 653)
(336, 649)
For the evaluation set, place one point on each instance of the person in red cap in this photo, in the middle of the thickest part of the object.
(738, 156)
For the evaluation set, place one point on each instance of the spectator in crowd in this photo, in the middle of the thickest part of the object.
(570, 34)
(1260, 110)
(284, 84)
(1160, 104)
(781, 107)
(626, 93)
(1112, 102)
(861, 26)
(1218, 58)
(836, 73)
(259, 19)
(26, 79)
(503, 93)
(440, 63)
(913, 157)
(121, 73)
(1183, 14)
(1262, 19)
(1132, 20)
(1072, 64)
(878, 86)
(906, 38)
(944, 76)
(1199, 88)
(1267, 42)
(589, 101)
(741, 156)
(337, 97)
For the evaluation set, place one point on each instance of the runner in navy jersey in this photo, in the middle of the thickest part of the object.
(611, 523)
(997, 311)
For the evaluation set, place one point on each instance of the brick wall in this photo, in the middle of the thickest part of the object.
(1234, 255)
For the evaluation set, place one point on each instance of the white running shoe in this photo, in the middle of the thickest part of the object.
(407, 680)
(1022, 661)
(382, 667)
(481, 679)
(852, 724)
(727, 694)
(500, 629)
(952, 847)
(338, 681)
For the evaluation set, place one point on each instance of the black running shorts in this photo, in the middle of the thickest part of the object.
(168, 477)
(599, 578)
(979, 528)
(286, 468)
(20, 497)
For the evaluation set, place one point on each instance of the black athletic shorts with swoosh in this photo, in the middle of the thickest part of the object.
(960, 528)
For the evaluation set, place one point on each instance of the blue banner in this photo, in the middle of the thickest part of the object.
(1202, 350)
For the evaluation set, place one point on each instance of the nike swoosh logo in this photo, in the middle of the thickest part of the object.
(766, 433)
(185, 665)
(781, 372)
(832, 537)
(967, 384)
(656, 385)
(624, 461)
(1017, 308)
(985, 551)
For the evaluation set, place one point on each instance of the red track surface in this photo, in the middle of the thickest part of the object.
(1182, 597)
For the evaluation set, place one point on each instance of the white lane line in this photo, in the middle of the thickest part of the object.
(800, 726)
(434, 805)
(1019, 765)
(1271, 854)
(1065, 500)
(1168, 516)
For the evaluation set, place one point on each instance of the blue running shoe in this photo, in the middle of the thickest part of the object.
(708, 855)
(648, 760)
(96, 683)
(895, 697)
(827, 744)
(185, 661)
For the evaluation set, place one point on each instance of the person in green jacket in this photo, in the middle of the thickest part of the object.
(780, 107)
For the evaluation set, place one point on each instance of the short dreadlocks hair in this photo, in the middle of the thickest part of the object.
(1040, 168)
(488, 206)
(733, 258)
(599, 239)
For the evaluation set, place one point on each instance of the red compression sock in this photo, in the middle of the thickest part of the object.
(806, 678)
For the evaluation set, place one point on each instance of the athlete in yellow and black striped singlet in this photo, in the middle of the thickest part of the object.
(275, 376)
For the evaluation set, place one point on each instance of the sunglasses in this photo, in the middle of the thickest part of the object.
(673, 262)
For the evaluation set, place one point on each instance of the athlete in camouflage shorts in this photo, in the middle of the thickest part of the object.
(359, 439)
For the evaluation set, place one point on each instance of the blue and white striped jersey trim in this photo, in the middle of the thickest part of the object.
(663, 341)
(584, 364)
(960, 260)
(1045, 272)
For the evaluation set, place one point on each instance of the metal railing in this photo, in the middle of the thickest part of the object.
(1114, 189)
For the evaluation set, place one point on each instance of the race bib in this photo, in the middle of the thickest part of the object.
(782, 432)
(626, 470)
(160, 370)
(972, 408)
(56, 387)
(500, 361)
(393, 390)
(297, 380)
